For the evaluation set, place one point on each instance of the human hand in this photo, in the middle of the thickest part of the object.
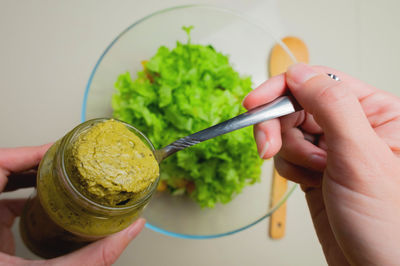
(17, 170)
(350, 171)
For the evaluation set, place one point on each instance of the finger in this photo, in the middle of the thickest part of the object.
(21, 180)
(381, 107)
(296, 150)
(335, 108)
(105, 251)
(6, 259)
(390, 134)
(16, 206)
(382, 110)
(300, 119)
(358, 87)
(296, 173)
(22, 158)
(322, 143)
(310, 126)
(276, 86)
(14, 160)
(266, 92)
(268, 138)
(11, 208)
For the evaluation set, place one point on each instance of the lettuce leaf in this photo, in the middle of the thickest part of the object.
(181, 91)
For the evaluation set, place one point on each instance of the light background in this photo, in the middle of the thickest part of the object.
(48, 50)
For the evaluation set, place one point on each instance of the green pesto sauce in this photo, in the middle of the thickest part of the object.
(111, 165)
(66, 220)
(108, 164)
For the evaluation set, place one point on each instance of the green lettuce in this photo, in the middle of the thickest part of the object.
(181, 91)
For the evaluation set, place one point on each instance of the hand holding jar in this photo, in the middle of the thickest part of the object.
(17, 170)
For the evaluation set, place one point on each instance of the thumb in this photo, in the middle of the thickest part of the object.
(105, 251)
(333, 105)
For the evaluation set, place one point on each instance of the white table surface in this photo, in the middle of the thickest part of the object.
(48, 50)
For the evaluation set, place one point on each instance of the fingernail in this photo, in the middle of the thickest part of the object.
(318, 161)
(300, 73)
(262, 143)
(264, 150)
(244, 99)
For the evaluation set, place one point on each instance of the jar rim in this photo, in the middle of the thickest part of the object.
(68, 182)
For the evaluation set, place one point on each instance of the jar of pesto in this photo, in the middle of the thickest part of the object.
(93, 182)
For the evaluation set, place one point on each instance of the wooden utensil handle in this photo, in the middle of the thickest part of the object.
(277, 222)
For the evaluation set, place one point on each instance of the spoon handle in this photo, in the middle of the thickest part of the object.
(281, 106)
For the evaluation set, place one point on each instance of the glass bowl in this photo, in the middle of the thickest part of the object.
(248, 45)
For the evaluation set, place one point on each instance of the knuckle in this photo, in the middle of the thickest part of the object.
(333, 93)
(286, 170)
(282, 166)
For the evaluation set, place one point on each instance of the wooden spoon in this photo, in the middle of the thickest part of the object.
(279, 61)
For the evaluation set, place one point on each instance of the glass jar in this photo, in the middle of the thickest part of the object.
(58, 218)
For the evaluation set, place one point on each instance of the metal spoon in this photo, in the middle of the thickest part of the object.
(281, 106)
